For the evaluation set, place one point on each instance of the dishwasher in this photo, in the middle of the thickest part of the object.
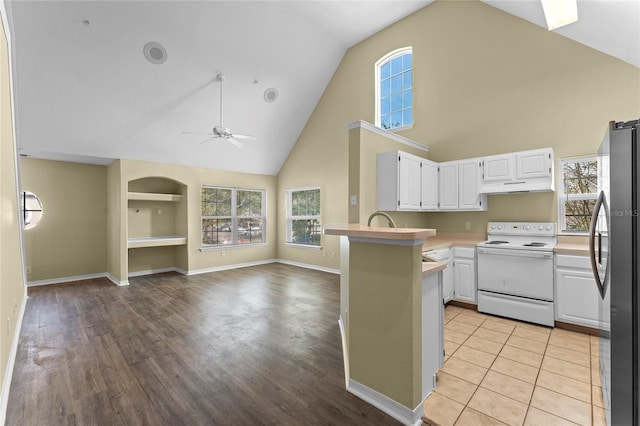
(444, 255)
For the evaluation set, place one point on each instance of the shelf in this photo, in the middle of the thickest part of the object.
(169, 240)
(151, 196)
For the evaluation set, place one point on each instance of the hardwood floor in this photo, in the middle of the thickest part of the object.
(258, 345)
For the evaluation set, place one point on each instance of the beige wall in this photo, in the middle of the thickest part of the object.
(12, 288)
(71, 238)
(485, 82)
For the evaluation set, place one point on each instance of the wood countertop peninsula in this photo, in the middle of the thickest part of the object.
(378, 232)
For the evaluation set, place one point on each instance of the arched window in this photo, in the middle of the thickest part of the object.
(31, 209)
(394, 89)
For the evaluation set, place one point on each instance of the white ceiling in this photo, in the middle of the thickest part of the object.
(85, 92)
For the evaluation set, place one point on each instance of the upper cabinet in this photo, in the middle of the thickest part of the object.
(460, 185)
(398, 181)
(429, 185)
(524, 171)
(448, 185)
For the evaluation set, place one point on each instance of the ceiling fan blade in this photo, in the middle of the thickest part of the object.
(235, 142)
(208, 139)
(247, 137)
(197, 133)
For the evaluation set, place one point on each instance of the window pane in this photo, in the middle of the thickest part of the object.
(250, 231)
(385, 70)
(396, 119)
(216, 231)
(306, 232)
(385, 105)
(406, 80)
(581, 177)
(396, 102)
(396, 83)
(216, 202)
(407, 99)
(406, 61)
(396, 65)
(249, 203)
(305, 203)
(385, 121)
(407, 116)
(385, 87)
(578, 214)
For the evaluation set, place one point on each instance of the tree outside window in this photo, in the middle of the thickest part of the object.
(303, 217)
(578, 193)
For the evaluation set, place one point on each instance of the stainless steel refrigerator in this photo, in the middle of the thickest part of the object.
(615, 256)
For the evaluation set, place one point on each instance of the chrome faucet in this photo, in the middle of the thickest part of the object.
(392, 224)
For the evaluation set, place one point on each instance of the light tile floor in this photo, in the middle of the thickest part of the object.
(498, 371)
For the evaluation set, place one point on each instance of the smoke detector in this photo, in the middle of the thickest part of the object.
(270, 95)
(155, 53)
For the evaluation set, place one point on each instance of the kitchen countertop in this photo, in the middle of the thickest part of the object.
(572, 244)
(379, 232)
(451, 239)
(432, 267)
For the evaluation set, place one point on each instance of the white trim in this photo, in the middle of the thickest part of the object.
(382, 402)
(8, 374)
(303, 246)
(152, 271)
(309, 266)
(227, 267)
(66, 279)
(214, 247)
(115, 280)
(345, 351)
(386, 133)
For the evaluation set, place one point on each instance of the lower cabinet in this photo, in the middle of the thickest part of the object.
(464, 274)
(446, 256)
(577, 299)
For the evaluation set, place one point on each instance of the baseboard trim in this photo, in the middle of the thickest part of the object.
(152, 271)
(66, 279)
(227, 267)
(579, 328)
(309, 266)
(116, 281)
(382, 402)
(462, 304)
(8, 374)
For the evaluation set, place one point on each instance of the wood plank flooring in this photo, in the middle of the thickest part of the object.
(252, 346)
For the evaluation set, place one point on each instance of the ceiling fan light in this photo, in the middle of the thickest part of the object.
(559, 13)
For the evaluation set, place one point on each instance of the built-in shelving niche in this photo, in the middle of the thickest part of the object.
(157, 225)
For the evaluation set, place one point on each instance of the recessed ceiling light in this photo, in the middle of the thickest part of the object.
(270, 95)
(155, 52)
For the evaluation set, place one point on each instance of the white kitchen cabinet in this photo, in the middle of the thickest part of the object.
(498, 168)
(398, 181)
(445, 255)
(577, 298)
(429, 186)
(524, 171)
(448, 180)
(464, 274)
(469, 178)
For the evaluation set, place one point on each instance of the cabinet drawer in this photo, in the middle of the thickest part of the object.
(466, 252)
(573, 261)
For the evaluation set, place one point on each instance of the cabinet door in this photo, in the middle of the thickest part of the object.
(448, 177)
(498, 168)
(409, 182)
(533, 164)
(464, 279)
(469, 185)
(577, 298)
(447, 282)
(429, 198)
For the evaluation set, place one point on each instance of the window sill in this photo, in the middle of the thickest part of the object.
(303, 246)
(230, 246)
(574, 233)
(397, 129)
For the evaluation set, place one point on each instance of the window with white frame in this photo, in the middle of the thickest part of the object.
(303, 217)
(394, 89)
(232, 216)
(577, 193)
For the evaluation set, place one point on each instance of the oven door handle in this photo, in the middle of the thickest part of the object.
(517, 253)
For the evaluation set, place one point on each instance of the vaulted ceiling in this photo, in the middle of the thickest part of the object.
(85, 92)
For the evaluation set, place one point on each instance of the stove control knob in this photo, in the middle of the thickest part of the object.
(499, 226)
(527, 227)
(541, 227)
(493, 227)
(548, 227)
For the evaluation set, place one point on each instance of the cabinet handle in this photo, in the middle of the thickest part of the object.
(514, 183)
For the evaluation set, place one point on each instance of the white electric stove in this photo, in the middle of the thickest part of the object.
(515, 271)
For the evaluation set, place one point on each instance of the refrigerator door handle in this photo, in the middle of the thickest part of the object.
(596, 263)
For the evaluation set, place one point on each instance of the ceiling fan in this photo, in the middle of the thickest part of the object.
(221, 132)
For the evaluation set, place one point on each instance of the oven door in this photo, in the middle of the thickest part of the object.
(516, 272)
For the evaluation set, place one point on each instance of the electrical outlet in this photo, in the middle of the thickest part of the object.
(333, 254)
(160, 212)
(324, 253)
(222, 253)
(354, 200)
(28, 270)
